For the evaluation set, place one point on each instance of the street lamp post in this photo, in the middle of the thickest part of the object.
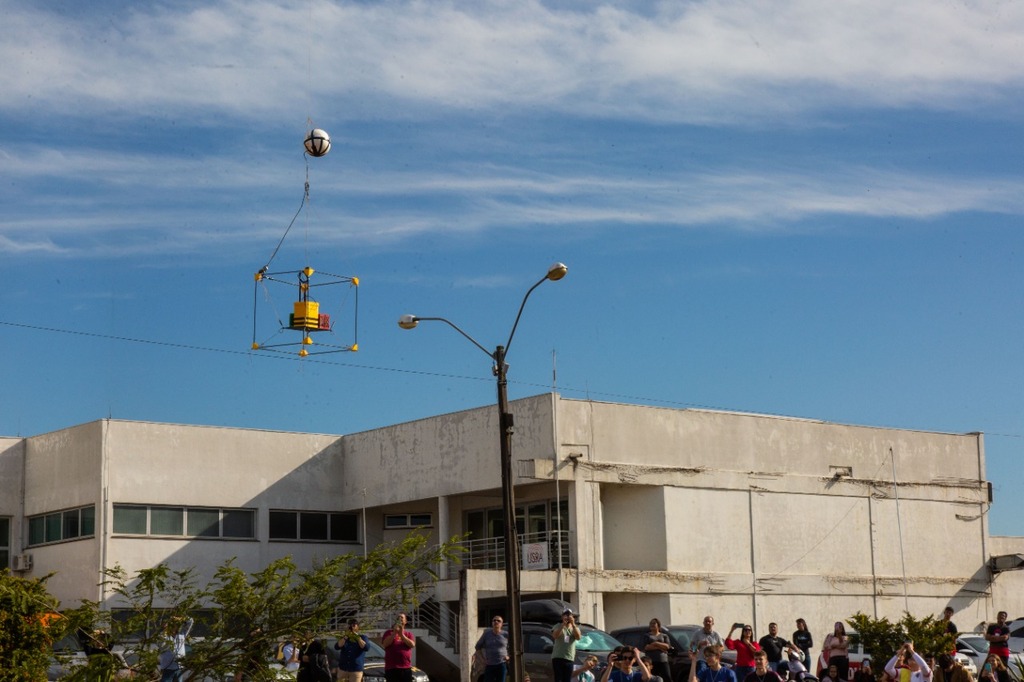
(517, 672)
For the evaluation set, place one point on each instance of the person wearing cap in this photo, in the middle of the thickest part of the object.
(563, 653)
(351, 648)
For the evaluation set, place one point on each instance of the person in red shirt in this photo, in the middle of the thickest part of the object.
(398, 644)
(744, 647)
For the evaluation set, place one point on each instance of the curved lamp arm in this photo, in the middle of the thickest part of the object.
(410, 322)
(555, 273)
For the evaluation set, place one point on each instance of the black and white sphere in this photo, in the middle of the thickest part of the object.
(318, 142)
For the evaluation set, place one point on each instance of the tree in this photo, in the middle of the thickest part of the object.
(245, 615)
(29, 624)
(882, 638)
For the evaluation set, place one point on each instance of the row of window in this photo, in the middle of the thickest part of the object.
(63, 525)
(206, 522)
(194, 522)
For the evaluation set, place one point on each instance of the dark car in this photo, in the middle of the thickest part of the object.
(679, 638)
(373, 670)
(538, 644)
(544, 610)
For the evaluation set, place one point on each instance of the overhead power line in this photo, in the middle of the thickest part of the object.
(416, 372)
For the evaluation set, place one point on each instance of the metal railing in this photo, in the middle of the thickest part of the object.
(438, 619)
(435, 617)
(489, 553)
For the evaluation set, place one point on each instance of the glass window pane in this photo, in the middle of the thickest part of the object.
(239, 523)
(36, 530)
(71, 524)
(87, 520)
(313, 526)
(53, 527)
(166, 520)
(345, 527)
(5, 532)
(396, 521)
(5, 559)
(419, 520)
(475, 525)
(495, 523)
(284, 525)
(129, 519)
(204, 523)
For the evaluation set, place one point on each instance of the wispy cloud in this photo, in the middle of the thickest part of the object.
(386, 206)
(694, 61)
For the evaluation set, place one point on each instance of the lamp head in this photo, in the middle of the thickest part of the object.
(557, 271)
(408, 321)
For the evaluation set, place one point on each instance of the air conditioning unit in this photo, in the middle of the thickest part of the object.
(22, 562)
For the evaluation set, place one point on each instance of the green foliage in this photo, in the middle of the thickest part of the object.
(249, 613)
(882, 638)
(928, 635)
(28, 628)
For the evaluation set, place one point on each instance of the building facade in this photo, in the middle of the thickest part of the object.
(629, 512)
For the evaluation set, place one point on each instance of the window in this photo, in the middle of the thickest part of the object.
(238, 523)
(57, 526)
(313, 526)
(131, 520)
(199, 522)
(408, 521)
(167, 520)
(204, 523)
(5, 543)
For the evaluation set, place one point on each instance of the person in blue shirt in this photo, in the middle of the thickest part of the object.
(620, 666)
(714, 671)
(351, 648)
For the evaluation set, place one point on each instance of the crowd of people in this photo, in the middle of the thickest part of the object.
(772, 658)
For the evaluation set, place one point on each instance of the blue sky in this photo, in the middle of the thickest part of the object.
(799, 208)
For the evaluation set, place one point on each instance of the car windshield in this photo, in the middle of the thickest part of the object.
(596, 640)
(976, 643)
(684, 636)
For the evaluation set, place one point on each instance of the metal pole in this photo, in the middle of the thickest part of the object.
(516, 669)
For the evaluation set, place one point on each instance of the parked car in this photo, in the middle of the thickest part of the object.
(538, 644)
(858, 656)
(374, 668)
(974, 648)
(544, 610)
(68, 656)
(1016, 642)
(680, 638)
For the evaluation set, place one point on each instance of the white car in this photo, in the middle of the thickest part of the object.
(858, 655)
(1016, 642)
(975, 649)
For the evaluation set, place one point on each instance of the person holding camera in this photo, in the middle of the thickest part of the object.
(351, 653)
(908, 666)
(398, 644)
(563, 653)
(620, 666)
(745, 648)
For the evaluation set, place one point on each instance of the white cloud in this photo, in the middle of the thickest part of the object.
(692, 61)
(141, 205)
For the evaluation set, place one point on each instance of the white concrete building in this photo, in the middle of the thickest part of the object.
(649, 512)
